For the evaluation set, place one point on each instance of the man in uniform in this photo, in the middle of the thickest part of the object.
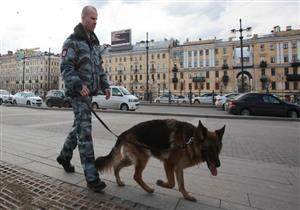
(83, 75)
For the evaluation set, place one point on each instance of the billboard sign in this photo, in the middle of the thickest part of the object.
(119, 38)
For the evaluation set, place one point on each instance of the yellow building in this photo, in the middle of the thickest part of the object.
(270, 63)
(33, 70)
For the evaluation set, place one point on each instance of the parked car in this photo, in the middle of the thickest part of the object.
(120, 98)
(206, 98)
(262, 104)
(57, 98)
(27, 98)
(165, 99)
(221, 100)
(5, 97)
(181, 99)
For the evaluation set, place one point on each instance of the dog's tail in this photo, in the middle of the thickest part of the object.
(106, 163)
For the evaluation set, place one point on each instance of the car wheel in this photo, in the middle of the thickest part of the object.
(95, 105)
(49, 104)
(293, 114)
(245, 112)
(14, 102)
(223, 107)
(157, 101)
(1, 101)
(184, 102)
(67, 104)
(124, 107)
(197, 101)
(28, 103)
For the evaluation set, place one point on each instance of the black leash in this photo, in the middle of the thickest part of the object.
(175, 147)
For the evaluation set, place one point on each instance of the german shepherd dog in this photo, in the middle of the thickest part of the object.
(177, 144)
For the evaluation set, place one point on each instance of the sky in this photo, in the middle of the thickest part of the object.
(46, 24)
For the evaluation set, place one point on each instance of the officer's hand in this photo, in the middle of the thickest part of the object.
(85, 91)
(107, 93)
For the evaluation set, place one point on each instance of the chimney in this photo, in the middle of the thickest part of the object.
(289, 28)
(276, 29)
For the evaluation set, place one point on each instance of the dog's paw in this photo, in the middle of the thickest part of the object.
(160, 183)
(121, 184)
(190, 198)
(150, 190)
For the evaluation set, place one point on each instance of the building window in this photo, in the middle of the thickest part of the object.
(225, 73)
(273, 85)
(273, 71)
(141, 77)
(207, 74)
(175, 86)
(217, 74)
(181, 75)
(216, 51)
(287, 85)
(140, 58)
(285, 45)
(263, 72)
(224, 50)
(271, 46)
(286, 71)
(207, 86)
(217, 86)
(295, 70)
(164, 76)
(262, 47)
(295, 85)
(158, 76)
(152, 56)
(272, 59)
(163, 55)
(206, 51)
(124, 59)
(190, 53)
(294, 44)
(201, 52)
(285, 59)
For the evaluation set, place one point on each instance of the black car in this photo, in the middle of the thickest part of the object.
(57, 98)
(262, 104)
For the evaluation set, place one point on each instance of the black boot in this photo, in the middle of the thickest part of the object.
(96, 186)
(69, 168)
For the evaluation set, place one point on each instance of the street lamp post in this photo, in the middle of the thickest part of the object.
(23, 81)
(49, 59)
(242, 58)
(147, 68)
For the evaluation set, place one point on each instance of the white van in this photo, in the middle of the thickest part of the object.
(120, 98)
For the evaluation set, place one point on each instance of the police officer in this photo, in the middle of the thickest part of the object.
(83, 75)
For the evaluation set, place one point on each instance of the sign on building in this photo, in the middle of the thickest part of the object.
(120, 38)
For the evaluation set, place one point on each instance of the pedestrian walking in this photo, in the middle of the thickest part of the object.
(83, 75)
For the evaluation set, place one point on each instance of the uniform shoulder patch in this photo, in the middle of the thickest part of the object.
(64, 52)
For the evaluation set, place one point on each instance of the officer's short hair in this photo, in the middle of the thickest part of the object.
(86, 10)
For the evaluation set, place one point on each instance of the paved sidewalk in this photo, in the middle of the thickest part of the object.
(28, 154)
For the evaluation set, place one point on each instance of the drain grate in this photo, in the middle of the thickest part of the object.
(23, 190)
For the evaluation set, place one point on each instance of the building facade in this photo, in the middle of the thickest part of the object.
(29, 71)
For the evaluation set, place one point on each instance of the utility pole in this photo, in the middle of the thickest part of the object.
(24, 58)
(242, 57)
(49, 59)
(147, 68)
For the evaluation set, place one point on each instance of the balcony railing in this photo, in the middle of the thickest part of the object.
(198, 79)
(293, 77)
(295, 63)
(225, 66)
(263, 64)
(225, 78)
(175, 80)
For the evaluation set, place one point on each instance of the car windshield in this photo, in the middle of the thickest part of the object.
(4, 92)
(125, 91)
(29, 94)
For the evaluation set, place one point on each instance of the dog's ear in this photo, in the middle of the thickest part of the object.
(220, 132)
(202, 130)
